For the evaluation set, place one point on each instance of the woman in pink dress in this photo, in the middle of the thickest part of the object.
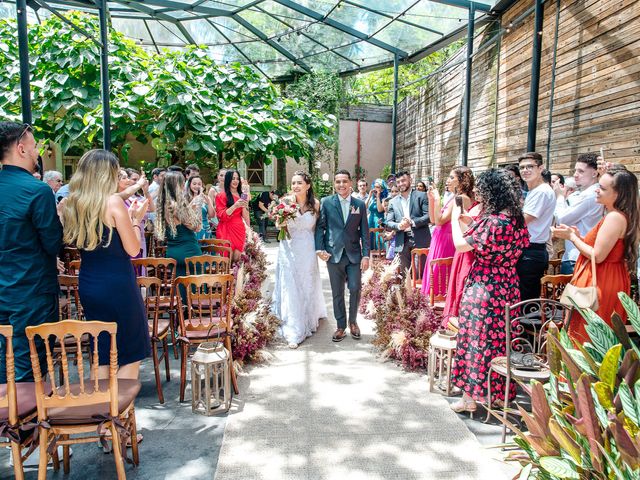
(460, 182)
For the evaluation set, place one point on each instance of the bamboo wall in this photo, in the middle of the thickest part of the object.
(596, 96)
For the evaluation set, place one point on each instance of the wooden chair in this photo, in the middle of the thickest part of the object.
(215, 241)
(159, 250)
(554, 266)
(552, 286)
(69, 305)
(86, 406)
(158, 328)
(68, 255)
(17, 405)
(418, 261)
(207, 264)
(216, 250)
(206, 315)
(74, 267)
(165, 270)
(377, 251)
(527, 337)
(439, 272)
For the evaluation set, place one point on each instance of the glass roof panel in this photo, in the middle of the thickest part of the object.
(276, 69)
(359, 19)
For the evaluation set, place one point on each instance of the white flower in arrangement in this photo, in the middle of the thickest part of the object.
(240, 281)
(388, 272)
(249, 320)
(371, 308)
(367, 275)
(399, 298)
(398, 338)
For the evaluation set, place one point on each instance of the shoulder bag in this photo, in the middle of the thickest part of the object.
(583, 297)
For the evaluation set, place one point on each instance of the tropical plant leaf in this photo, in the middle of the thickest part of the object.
(566, 442)
(525, 472)
(629, 404)
(621, 331)
(589, 419)
(569, 362)
(560, 467)
(633, 312)
(609, 368)
(627, 447)
(601, 335)
(605, 395)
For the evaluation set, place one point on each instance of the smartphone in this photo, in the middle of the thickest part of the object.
(459, 201)
(244, 196)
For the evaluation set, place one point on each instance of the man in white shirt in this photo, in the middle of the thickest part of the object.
(158, 176)
(538, 212)
(581, 209)
(362, 193)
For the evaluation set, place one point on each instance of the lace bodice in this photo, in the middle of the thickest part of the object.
(302, 224)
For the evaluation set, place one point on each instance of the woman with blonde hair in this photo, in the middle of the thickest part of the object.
(97, 222)
(177, 220)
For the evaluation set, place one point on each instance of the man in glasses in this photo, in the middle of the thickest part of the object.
(53, 179)
(30, 237)
(538, 215)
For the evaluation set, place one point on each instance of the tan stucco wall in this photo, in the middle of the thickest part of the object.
(375, 146)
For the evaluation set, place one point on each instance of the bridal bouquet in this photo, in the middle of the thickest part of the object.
(281, 213)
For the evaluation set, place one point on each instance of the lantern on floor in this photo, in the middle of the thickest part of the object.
(210, 379)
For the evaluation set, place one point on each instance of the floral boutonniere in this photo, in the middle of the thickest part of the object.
(355, 210)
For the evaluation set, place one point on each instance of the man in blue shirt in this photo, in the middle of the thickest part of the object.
(30, 237)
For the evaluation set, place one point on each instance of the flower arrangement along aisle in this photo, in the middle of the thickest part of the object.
(404, 321)
(253, 323)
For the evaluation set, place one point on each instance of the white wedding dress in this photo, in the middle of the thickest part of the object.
(297, 296)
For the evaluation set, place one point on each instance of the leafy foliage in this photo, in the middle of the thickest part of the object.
(586, 422)
(201, 111)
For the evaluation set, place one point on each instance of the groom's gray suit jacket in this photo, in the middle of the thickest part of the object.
(338, 238)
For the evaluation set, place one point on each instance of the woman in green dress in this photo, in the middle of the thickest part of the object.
(177, 221)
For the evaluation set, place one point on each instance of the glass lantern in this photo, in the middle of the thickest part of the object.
(210, 379)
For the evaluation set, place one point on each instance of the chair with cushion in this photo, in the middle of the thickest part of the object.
(418, 261)
(82, 410)
(164, 269)
(207, 264)
(217, 250)
(204, 314)
(17, 405)
(441, 278)
(158, 328)
(526, 324)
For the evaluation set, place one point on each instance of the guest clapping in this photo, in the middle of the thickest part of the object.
(233, 214)
(613, 242)
(498, 238)
(177, 221)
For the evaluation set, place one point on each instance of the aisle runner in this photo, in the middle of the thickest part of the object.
(333, 411)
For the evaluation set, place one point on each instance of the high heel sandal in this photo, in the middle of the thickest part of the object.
(464, 405)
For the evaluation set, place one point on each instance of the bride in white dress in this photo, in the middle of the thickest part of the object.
(297, 297)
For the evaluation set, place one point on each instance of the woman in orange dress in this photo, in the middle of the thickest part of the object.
(233, 214)
(613, 241)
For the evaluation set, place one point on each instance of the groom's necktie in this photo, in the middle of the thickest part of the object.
(345, 203)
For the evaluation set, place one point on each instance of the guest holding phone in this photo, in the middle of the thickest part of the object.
(233, 212)
(197, 197)
(459, 182)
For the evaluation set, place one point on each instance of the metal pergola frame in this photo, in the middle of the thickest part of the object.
(399, 55)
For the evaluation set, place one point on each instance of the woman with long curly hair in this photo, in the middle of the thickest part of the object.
(297, 295)
(497, 236)
(195, 194)
(459, 183)
(233, 214)
(613, 242)
(97, 222)
(177, 220)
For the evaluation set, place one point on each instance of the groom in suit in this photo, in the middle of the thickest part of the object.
(342, 240)
(408, 215)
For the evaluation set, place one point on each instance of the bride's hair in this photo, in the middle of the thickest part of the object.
(311, 199)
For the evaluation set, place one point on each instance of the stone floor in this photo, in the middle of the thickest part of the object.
(323, 411)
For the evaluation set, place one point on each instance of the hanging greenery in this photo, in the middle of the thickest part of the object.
(199, 110)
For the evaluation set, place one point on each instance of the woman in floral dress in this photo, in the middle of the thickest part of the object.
(497, 238)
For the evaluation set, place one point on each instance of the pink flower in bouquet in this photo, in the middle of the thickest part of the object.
(281, 213)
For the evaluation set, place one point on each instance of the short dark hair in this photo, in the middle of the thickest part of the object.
(10, 133)
(546, 175)
(342, 172)
(157, 171)
(175, 168)
(193, 167)
(402, 173)
(531, 156)
(591, 159)
(560, 177)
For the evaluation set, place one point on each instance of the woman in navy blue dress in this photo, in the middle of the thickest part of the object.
(97, 222)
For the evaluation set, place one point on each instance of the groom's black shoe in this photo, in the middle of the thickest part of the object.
(339, 335)
(354, 329)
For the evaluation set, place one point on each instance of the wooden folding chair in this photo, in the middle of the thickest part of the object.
(74, 268)
(158, 327)
(552, 286)
(206, 315)
(377, 250)
(69, 305)
(17, 405)
(165, 270)
(216, 250)
(68, 255)
(214, 241)
(439, 272)
(418, 261)
(87, 405)
(207, 264)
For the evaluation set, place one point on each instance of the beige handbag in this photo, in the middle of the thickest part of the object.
(583, 297)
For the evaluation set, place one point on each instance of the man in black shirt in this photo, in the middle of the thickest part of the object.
(261, 211)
